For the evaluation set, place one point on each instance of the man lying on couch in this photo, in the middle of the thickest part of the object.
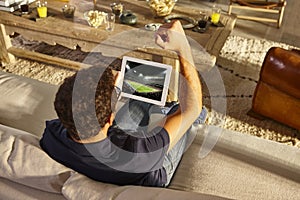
(87, 139)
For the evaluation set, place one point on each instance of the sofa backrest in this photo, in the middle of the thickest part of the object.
(26, 103)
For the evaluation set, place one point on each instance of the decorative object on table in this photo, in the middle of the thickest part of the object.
(41, 7)
(127, 17)
(191, 22)
(161, 8)
(152, 26)
(117, 8)
(215, 14)
(95, 18)
(68, 10)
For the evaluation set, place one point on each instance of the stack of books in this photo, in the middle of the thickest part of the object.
(12, 5)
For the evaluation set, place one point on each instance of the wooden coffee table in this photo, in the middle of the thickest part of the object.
(76, 33)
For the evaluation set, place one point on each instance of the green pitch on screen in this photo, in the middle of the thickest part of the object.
(141, 88)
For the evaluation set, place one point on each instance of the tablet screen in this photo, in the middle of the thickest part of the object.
(145, 80)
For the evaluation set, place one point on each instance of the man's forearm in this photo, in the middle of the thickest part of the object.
(190, 92)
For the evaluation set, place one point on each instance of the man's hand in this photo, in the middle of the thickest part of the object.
(171, 36)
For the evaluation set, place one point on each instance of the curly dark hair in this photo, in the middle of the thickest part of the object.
(85, 101)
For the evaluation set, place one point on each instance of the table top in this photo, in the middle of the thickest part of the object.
(74, 32)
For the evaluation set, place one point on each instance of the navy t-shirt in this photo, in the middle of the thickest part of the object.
(123, 158)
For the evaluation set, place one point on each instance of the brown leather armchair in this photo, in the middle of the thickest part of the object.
(277, 94)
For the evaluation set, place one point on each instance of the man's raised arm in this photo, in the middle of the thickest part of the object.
(171, 36)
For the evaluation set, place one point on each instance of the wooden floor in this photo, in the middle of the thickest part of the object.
(288, 33)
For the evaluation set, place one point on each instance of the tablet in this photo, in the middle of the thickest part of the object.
(145, 80)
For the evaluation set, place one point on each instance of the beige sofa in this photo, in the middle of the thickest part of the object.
(235, 169)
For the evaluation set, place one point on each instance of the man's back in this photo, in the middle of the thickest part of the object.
(120, 159)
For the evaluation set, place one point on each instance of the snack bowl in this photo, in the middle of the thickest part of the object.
(161, 8)
(95, 18)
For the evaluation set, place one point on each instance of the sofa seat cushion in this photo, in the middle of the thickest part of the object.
(26, 103)
(23, 161)
(10, 190)
(81, 187)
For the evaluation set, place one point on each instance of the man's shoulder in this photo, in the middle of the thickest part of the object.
(52, 130)
(54, 126)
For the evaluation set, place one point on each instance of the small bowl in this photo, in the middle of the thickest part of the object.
(68, 11)
(95, 18)
(127, 17)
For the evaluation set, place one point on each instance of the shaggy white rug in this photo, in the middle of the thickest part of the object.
(238, 65)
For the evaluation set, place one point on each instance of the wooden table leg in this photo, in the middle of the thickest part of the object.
(5, 43)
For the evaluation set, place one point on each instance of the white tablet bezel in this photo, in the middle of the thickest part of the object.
(168, 69)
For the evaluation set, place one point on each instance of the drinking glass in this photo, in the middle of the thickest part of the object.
(110, 19)
(202, 24)
(25, 7)
(216, 13)
(41, 7)
(68, 10)
(117, 8)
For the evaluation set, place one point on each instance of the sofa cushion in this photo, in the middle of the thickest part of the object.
(240, 166)
(23, 161)
(81, 187)
(26, 103)
(14, 191)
